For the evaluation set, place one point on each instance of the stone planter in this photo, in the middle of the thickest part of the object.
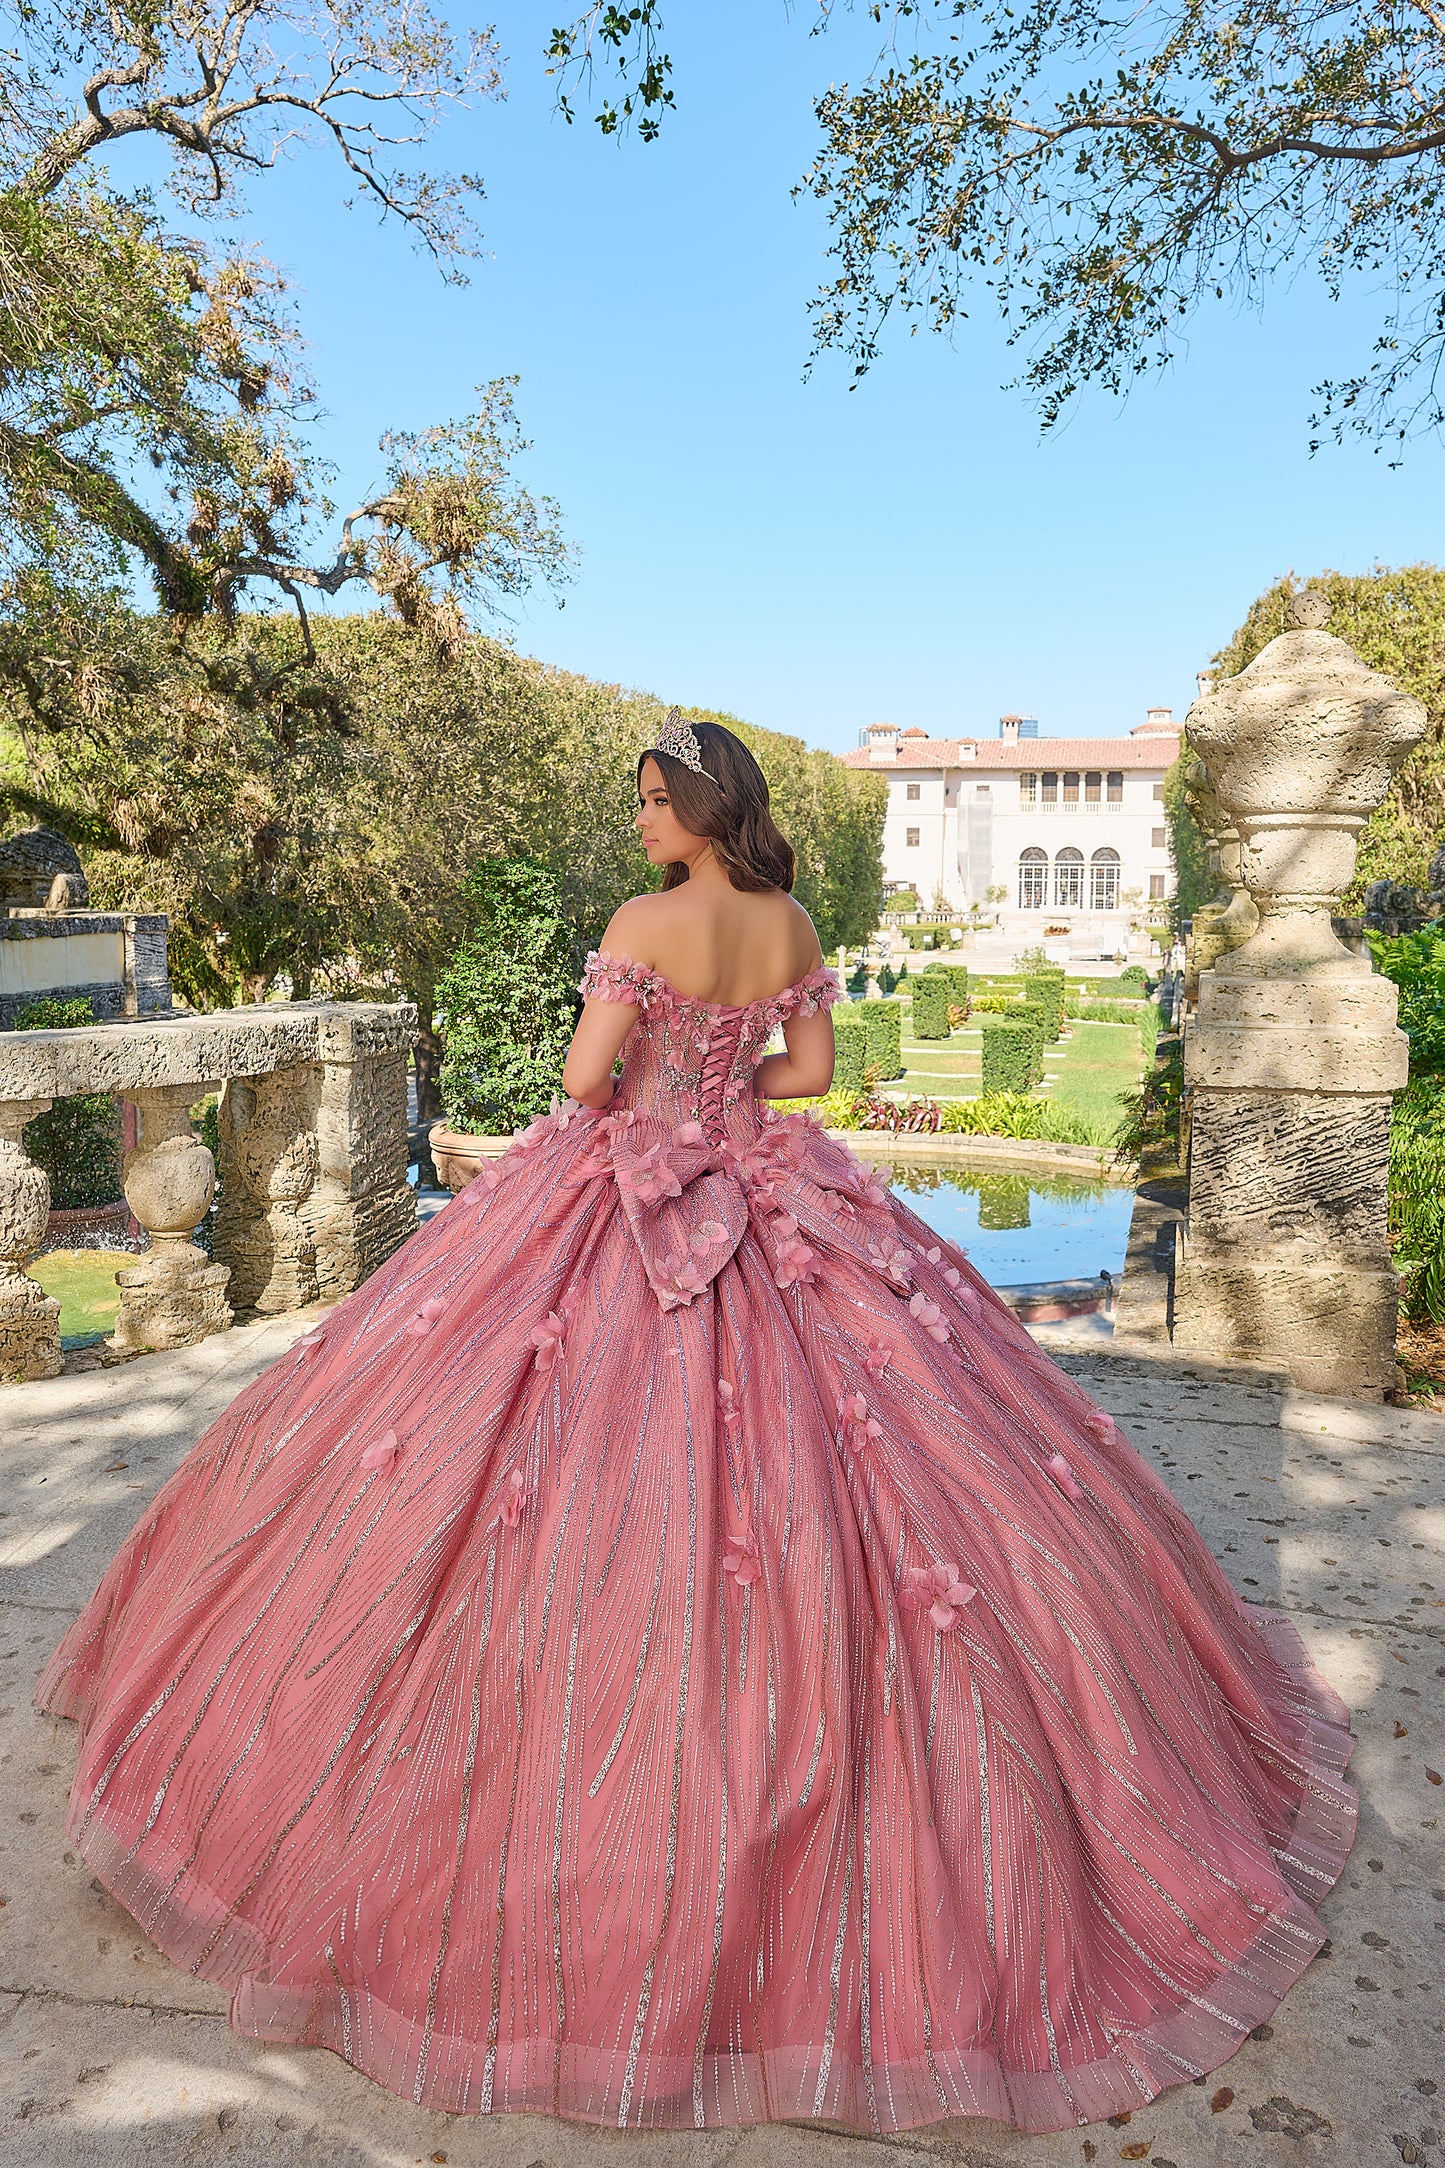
(91, 1227)
(457, 1158)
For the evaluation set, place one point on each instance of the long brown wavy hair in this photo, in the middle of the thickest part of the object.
(729, 805)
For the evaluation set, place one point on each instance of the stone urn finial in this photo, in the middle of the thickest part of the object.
(1300, 749)
(1308, 610)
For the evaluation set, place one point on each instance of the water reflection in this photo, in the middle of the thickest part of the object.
(1019, 1227)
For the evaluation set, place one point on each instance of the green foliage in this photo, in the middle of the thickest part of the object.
(1193, 882)
(1395, 621)
(903, 900)
(1416, 963)
(1135, 978)
(992, 1004)
(1045, 989)
(1040, 1014)
(836, 1109)
(850, 1036)
(931, 1000)
(1020, 1114)
(883, 1024)
(1029, 962)
(509, 997)
(77, 1142)
(1105, 1012)
(958, 982)
(1011, 1055)
(1417, 1197)
(1151, 1116)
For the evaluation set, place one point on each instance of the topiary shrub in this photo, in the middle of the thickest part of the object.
(957, 977)
(931, 1003)
(850, 1036)
(1135, 977)
(78, 1142)
(509, 997)
(1010, 1051)
(1040, 1015)
(883, 1023)
(1047, 989)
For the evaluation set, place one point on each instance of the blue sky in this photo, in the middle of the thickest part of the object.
(811, 556)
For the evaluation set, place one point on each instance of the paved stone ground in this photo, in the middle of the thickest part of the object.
(1332, 1510)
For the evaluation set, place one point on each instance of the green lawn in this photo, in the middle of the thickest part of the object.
(84, 1281)
(1086, 1072)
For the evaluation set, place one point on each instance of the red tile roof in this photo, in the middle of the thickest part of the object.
(1150, 749)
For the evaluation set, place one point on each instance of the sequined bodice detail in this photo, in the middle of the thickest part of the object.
(693, 1061)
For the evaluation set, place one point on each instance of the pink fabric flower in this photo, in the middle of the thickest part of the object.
(547, 1340)
(426, 1317)
(891, 1258)
(797, 1260)
(682, 1276)
(727, 1400)
(740, 1557)
(310, 1342)
(855, 1420)
(950, 1273)
(691, 1133)
(381, 1454)
(706, 1235)
(1100, 1426)
(931, 1318)
(510, 1510)
(939, 1591)
(650, 1177)
(879, 1357)
(1063, 1475)
(872, 1192)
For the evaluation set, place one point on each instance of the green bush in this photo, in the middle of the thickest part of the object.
(1106, 1012)
(1040, 1014)
(509, 998)
(1020, 1114)
(1416, 963)
(931, 997)
(957, 977)
(850, 1035)
(1011, 1049)
(992, 1004)
(883, 1022)
(1047, 989)
(77, 1143)
(905, 900)
(1135, 975)
(1417, 1197)
(835, 1110)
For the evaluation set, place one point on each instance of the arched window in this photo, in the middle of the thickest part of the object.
(1069, 880)
(1033, 880)
(1104, 881)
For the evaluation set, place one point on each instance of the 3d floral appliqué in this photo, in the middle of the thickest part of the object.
(937, 1590)
(381, 1454)
(931, 1318)
(513, 1498)
(547, 1338)
(426, 1317)
(740, 1557)
(1063, 1475)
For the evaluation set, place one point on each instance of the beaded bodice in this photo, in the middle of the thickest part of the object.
(693, 1061)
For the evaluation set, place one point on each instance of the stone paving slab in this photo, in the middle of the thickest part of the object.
(1332, 1510)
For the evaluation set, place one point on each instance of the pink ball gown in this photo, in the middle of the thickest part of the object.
(670, 1651)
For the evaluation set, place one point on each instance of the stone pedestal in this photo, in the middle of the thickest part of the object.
(29, 1318)
(175, 1294)
(1294, 1054)
(269, 1161)
(361, 1204)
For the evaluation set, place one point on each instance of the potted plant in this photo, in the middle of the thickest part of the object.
(510, 1001)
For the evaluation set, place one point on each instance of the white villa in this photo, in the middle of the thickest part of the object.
(1072, 829)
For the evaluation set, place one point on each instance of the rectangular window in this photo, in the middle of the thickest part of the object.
(910, 837)
(1071, 787)
(1116, 787)
(1051, 787)
(1093, 783)
(1156, 887)
(1028, 787)
(980, 790)
(1160, 838)
(912, 792)
(1159, 794)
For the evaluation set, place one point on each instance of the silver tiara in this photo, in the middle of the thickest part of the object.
(679, 741)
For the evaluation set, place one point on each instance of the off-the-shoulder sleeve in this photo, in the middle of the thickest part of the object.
(819, 990)
(616, 978)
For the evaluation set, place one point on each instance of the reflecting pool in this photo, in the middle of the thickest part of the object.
(1022, 1226)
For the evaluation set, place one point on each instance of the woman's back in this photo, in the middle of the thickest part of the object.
(719, 944)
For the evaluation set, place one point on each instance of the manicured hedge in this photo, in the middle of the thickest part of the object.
(1134, 976)
(883, 1023)
(1041, 1015)
(957, 977)
(1010, 1054)
(931, 997)
(851, 1036)
(1047, 988)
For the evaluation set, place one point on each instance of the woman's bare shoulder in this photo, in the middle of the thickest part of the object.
(633, 926)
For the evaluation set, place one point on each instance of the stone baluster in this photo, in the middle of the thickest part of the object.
(269, 1160)
(1294, 1053)
(174, 1294)
(361, 1204)
(1229, 917)
(29, 1318)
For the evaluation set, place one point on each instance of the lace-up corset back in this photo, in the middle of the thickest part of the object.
(693, 1061)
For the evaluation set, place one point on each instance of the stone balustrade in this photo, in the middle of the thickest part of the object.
(313, 1155)
(1294, 1054)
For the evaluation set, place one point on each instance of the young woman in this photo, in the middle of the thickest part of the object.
(670, 1651)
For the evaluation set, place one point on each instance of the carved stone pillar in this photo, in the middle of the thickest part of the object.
(269, 1160)
(1229, 917)
(174, 1294)
(1294, 1054)
(29, 1318)
(361, 1204)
